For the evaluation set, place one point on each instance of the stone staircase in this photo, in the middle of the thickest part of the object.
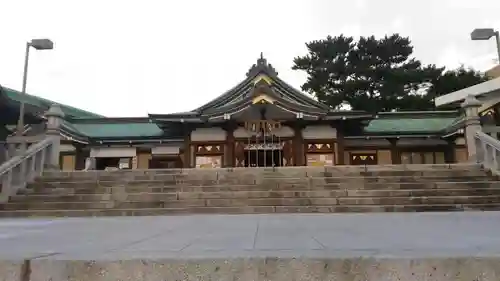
(394, 188)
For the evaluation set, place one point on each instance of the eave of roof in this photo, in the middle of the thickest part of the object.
(44, 104)
(122, 128)
(413, 123)
(476, 90)
(298, 94)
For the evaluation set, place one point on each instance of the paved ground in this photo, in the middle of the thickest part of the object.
(218, 236)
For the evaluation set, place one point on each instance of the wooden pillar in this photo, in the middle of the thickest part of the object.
(449, 153)
(229, 156)
(187, 147)
(340, 145)
(395, 152)
(80, 156)
(298, 146)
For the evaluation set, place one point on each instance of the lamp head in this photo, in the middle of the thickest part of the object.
(42, 44)
(482, 33)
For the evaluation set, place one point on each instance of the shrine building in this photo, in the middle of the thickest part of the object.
(260, 122)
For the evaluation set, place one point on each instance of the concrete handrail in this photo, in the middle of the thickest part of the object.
(488, 152)
(20, 170)
(16, 160)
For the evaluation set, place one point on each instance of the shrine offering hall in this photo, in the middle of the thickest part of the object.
(262, 122)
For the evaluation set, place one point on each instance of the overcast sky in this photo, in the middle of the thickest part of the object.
(130, 58)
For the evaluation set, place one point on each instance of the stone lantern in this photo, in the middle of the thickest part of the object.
(472, 125)
(54, 122)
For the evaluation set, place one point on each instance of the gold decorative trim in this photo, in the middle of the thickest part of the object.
(261, 77)
(262, 98)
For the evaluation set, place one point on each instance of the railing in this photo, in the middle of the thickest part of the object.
(492, 131)
(20, 170)
(488, 152)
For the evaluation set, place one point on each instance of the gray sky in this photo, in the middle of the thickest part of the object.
(130, 58)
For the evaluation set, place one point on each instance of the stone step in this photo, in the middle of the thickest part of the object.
(428, 200)
(232, 176)
(442, 178)
(148, 197)
(302, 170)
(249, 210)
(384, 179)
(272, 180)
(136, 187)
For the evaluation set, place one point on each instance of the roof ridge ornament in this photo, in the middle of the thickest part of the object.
(262, 66)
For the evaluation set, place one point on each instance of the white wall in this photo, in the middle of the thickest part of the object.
(165, 150)
(365, 142)
(113, 152)
(284, 131)
(400, 142)
(241, 133)
(67, 148)
(319, 132)
(208, 134)
(420, 142)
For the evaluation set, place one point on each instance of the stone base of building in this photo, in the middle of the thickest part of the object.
(213, 156)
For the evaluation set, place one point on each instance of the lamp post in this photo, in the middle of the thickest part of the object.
(38, 44)
(486, 34)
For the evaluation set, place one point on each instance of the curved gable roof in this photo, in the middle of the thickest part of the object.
(261, 71)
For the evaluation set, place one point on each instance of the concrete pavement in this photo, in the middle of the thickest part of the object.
(388, 235)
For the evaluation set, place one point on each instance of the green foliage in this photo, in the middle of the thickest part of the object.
(376, 74)
(454, 80)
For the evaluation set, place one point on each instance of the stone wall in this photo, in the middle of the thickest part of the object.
(254, 269)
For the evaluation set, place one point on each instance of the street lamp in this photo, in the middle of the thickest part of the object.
(38, 44)
(486, 34)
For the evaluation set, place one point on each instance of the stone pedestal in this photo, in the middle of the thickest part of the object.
(472, 125)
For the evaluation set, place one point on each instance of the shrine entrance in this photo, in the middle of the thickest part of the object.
(270, 157)
(264, 148)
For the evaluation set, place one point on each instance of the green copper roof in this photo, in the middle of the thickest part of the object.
(397, 123)
(45, 104)
(121, 130)
(412, 122)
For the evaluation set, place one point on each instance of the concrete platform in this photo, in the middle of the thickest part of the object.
(375, 235)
